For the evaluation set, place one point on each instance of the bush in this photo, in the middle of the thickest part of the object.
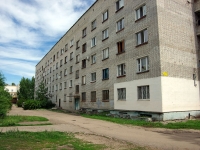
(50, 105)
(20, 102)
(32, 104)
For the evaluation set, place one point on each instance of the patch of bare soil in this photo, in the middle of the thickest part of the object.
(109, 142)
(35, 123)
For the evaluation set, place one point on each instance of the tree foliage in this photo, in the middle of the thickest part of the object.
(5, 98)
(26, 90)
(42, 95)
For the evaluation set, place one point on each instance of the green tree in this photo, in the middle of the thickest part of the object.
(5, 98)
(26, 90)
(42, 95)
(13, 84)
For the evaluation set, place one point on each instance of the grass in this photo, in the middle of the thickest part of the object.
(40, 140)
(190, 124)
(15, 120)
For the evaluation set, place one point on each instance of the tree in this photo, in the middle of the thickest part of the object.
(26, 90)
(13, 84)
(42, 95)
(2, 79)
(5, 98)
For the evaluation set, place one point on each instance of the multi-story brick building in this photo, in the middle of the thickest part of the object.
(138, 56)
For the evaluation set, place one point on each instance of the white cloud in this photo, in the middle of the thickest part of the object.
(27, 27)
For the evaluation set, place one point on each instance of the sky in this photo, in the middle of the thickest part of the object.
(29, 29)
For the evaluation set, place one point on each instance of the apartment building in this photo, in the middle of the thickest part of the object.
(140, 57)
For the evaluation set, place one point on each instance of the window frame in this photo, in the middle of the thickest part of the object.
(84, 32)
(93, 59)
(120, 25)
(84, 47)
(71, 56)
(83, 96)
(105, 34)
(93, 42)
(142, 37)
(78, 58)
(77, 74)
(121, 70)
(105, 74)
(119, 5)
(105, 53)
(120, 93)
(83, 63)
(105, 95)
(105, 13)
(92, 77)
(93, 96)
(140, 12)
(141, 93)
(93, 25)
(120, 47)
(140, 65)
(83, 80)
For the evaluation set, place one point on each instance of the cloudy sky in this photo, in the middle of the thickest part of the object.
(28, 30)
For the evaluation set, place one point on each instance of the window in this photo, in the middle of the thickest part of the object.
(70, 97)
(57, 65)
(84, 48)
(121, 93)
(53, 88)
(66, 47)
(143, 64)
(70, 83)
(53, 78)
(77, 74)
(119, 4)
(50, 69)
(93, 25)
(65, 97)
(105, 74)
(93, 58)
(105, 95)
(65, 85)
(65, 59)
(54, 57)
(83, 63)
(105, 53)
(121, 70)
(57, 54)
(93, 77)
(56, 87)
(120, 47)
(83, 97)
(77, 44)
(61, 51)
(60, 74)
(143, 92)
(77, 58)
(56, 76)
(105, 16)
(120, 25)
(61, 62)
(65, 73)
(93, 96)
(93, 42)
(71, 42)
(142, 37)
(60, 86)
(105, 34)
(77, 89)
(83, 80)
(140, 12)
(71, 55)
(71, 69)
(84, 32)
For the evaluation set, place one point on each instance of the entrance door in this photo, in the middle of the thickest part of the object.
(77, 103)
(59, 102)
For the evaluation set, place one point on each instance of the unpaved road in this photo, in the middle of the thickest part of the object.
(164, 139)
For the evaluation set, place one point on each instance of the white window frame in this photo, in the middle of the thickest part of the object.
(93, 77)
(93, 25)
(121, 70)
(83, 80)
(105, 16)
(84, 32)
(105, 53)
(93, 58)
(121, 92)
(105, 34)
(70, 83)
(65, 84)
(71, 69)
(65, 73)
(120, 25)
(143, 92)
(142, 37)
(93, 42)
(71, 55)
(78, 58)
(119, 4)
(140, 12)
(71, 42)
(143, 64)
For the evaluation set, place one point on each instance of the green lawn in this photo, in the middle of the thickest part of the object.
(15, 140)
(190, 124)
(15, 120)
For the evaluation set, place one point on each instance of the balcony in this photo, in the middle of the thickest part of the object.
(197, 6)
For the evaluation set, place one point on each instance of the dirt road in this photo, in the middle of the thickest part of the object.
(155, 138)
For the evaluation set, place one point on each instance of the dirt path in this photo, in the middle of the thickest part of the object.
(155, 138)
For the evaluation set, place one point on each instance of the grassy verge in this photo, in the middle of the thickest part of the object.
(190, 124)
(40, 140)
(15, 120)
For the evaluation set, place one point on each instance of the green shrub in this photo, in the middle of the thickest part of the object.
(20, 102)
(32, 104)
(50, 105)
